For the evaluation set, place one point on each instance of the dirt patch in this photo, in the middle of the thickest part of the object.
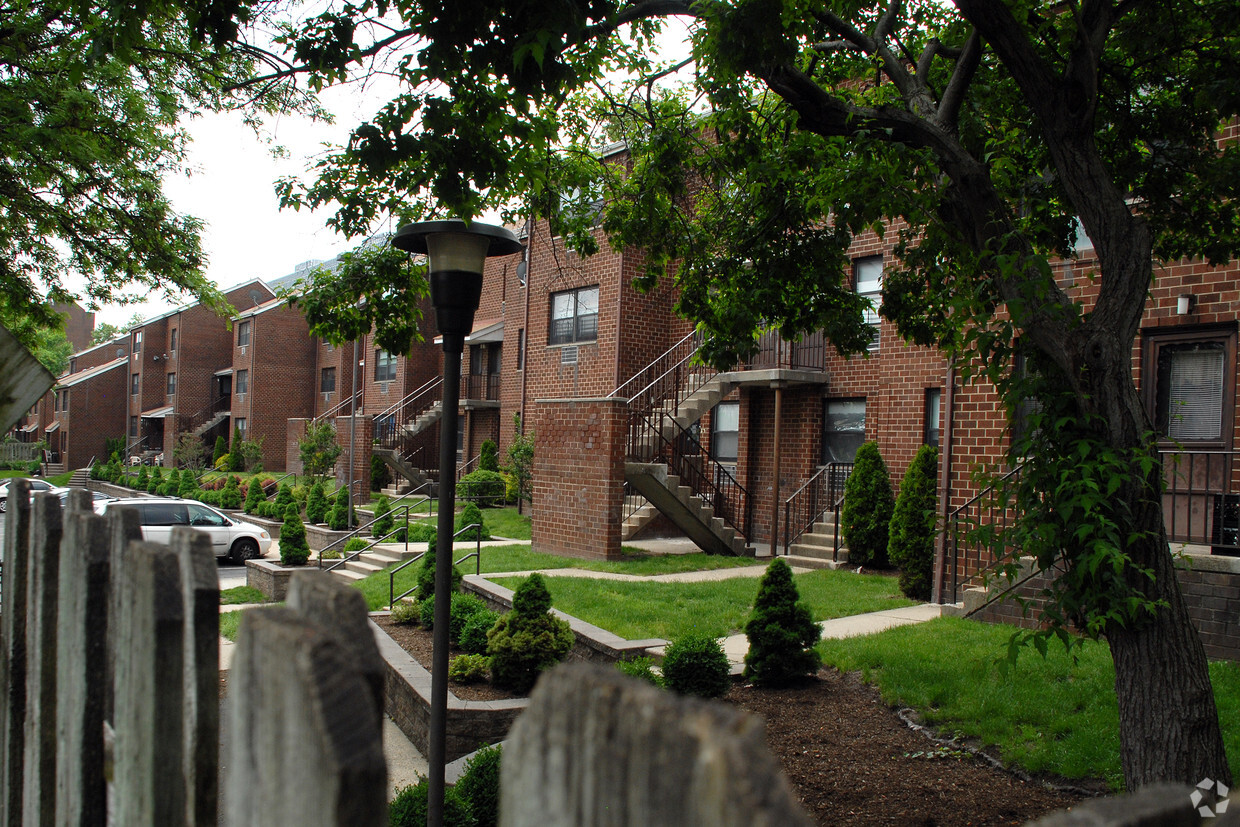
(417, 642)
(851, 760)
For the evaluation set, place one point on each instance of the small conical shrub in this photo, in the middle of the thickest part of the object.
(235, 461)
(479, 785)
(187, 488)
(488, 456)
(383, 522)
(781, 632)
(254, 497)
(221, 448)
(144, 479)
(294, 550)
(156, 480)
(338, 519)
(868, 505)
(527, 640)
(284, 498)
(230, 494)
(426, 574)
(696, 665)
(471, 514)
(911, 544)
(316, 504)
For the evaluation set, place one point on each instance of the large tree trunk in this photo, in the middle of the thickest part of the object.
(1169, 727)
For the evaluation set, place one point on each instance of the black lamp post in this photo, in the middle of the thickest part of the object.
(456, 252)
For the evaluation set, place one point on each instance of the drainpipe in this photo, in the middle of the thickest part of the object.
(945, 482)
(529, 278)
(779, 400)
(352, 433)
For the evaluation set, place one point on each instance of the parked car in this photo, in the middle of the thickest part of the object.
(96, 496)
(236, 540)
(37, 486)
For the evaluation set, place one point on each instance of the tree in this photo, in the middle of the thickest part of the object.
(781, 632)
(976, 135)
(105, 332)
(521, 461)
(236, 462)
(488, 456)
(189, 451)
(319, 449)
(868, 504)
(911, 539)
(221, 449)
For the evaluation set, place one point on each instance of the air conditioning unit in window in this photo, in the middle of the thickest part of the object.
(568, 355)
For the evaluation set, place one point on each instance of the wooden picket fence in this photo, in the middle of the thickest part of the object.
(109, 685)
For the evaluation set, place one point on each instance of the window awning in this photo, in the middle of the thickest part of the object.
(157, 413)
(51, 427)
(224, 372)
(28, 428)
(485, 330)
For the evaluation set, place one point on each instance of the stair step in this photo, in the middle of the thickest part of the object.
(810, 562)
(362, 567)
(347, 576)
(827, 540)
(820, 552)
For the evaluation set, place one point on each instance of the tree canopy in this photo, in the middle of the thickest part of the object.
(94, 98)
(981, 138)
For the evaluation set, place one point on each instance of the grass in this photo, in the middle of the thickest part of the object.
(58, 479)
(240, 595)
(229, 623)
(1046, 715)
(637, 610)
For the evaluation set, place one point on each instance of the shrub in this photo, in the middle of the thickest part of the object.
(144, 479)
(911, 543)
(236, 462)
(332, 553)
(300, 494)
(483, 487)
(383, 522)
(479, 785)
(488, 456)
(426, 613)
(422, 533)
(406, 613)
(316, 504)
(284, 498)
(868, 506)
(472, 515)
(527, 640)
(408, 808)
(210, 497)
(221, 449)
(380, 473)
(426, 575)
(354, 544)
(468, 668)
(156, 480)
(338, 517)
(266, 509)
(781, 631)
(511, 488)
(473, 638)
(464, 606)
(641, 668)
(230, 496)
(696, 665)
(294, 550)
(254, 497)
(188, 487)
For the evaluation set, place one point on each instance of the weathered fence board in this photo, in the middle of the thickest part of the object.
(39, 794)
(13, 633)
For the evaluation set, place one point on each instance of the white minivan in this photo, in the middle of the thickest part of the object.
(230, 538)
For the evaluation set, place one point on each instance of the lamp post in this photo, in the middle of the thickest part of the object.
(455, 252)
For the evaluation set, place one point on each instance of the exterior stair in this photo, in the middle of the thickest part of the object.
(80, 477)
(635, 522)
(687, 511)
(369, 562)
(815, 548)
(423, 421)
(397, 463)
(211, 423)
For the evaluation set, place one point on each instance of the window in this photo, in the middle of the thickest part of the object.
(933, 397)
(385, 366)
(521, 349)
(172, 342)
(243, 334)
(868, 277)
(725, 427)
(135, 383)
(241, 426)
(133, 426)
(200, 515)
(55, 401)
(574, 316)
(64, 399)
(241, 382)
(327, 380)
(477, 358)
(137, 341)
(1191, 399)
(172, 384)
(73, 365)
(154, 514)
(843, 429)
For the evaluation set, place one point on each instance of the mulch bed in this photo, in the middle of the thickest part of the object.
(849, 757)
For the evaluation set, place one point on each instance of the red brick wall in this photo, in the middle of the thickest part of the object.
(282, 379)
(362, 441)
(296, 431)
(79, 324)
(96, 413)
(579, 476)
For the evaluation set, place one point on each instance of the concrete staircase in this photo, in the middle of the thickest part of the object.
(211, 423)
(814, 548)
(690, 410)
(635, 522)
(369, 562)
(686, 510)
(423, 420)
(80, 477)
(397, 463)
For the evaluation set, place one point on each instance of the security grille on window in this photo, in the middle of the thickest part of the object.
(725, 427)
(241, 382)
(172, 384)
(574, 316)
(843, 429)
(327, 382)
(243, 334)
(868, 276)
(385, 366)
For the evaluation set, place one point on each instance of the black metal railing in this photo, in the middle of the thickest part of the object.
(392, 424)
(482, 386)
(774, 351)
(338, 409)
(1200, 502)
(975, 541)
(476, 554)
(820, 494)
(712, 481)
(668, 380)
(192, 422)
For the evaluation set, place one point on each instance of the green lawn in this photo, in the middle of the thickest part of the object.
(1049, 715)
(636, 610)
(240, 595)
(58, 479)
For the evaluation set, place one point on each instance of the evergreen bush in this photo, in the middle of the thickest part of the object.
(338, 517)
(426, 574)
(236, 462)
(156, 480)
(422, 533)
(354, 544)
(696, 665)
(380, 473)
(383, 522)
(144, 479)
(406, 613)
(316, 504)
(221, 448)
(188, 487)
(781, 632)
(473, 638)
(230, 496)
(527, 640)
(479, 785)
(409, 806)
(641, 668)
(426, 613)
(468, 668)
(911, 544)
(294, 550)
(463, 608)
(254, 497)
(488, 456)
(472, 515)
(483, 487)
(284, 498)
(868, 506)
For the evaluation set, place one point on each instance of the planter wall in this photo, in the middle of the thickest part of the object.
(320, 536)
(270, 578)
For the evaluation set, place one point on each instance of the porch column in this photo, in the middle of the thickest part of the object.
(779, 402)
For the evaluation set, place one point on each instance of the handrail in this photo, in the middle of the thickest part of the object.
(819, 494)
(618, 393)
(217, 406)
(953, 544)
(392, 572)
(346, 538)
(335, 411)
(463, 468)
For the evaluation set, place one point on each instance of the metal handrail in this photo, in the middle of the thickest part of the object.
(463, 469)
(817, 495)
(346, 538)
(965, 513)
(618, 393)
(392, 572)
(335, 411)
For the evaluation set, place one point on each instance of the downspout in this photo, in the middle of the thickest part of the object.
(525, 324)
(779, 400)
(945, 482)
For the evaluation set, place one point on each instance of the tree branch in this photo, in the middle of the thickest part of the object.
(966, 67)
